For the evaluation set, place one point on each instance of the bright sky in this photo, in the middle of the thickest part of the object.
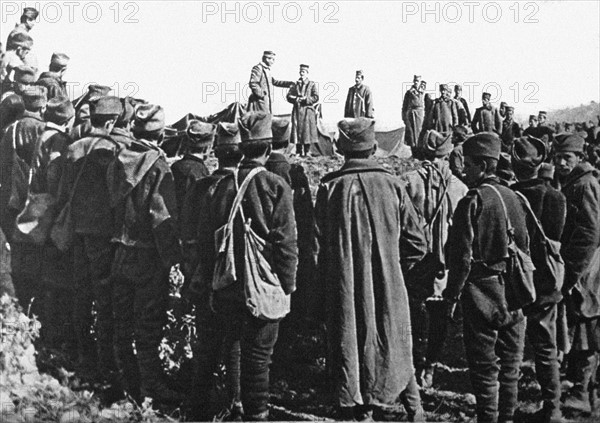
(195, 57)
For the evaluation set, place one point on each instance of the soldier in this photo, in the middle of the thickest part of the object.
(191, 166)
(457, 160)
(15, 55)
(359, 101)
(86, 185)
(18, 144)
(53, 78)
(146, 249)
(510, 130)
(435, 192)
(278, 162)
(198, 247)
(502, 109)
(444, 113)
(413, 112)
(476, 257)
(365, 217)
(487, 118)
(269, 208)
(82, 109)
(304, 96)
(11, 105)
(580, 251)
(27, 23)
(549, 207)
(262, 83)
(464, 115)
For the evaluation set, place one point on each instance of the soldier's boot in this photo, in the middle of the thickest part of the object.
(578, 397)
(151, 380)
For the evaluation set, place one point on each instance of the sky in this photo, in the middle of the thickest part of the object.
(196, 56)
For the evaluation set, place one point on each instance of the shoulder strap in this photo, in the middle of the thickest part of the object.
(446, 184)
(237, 202)
(508, 224)
(532, 214)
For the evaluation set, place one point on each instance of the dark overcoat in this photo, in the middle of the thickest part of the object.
(368, 233)
(359, 102)
(304, 115)
(261, 84)
(581, 240)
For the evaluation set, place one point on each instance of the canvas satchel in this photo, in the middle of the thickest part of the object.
(548, 262)
(520, 288)
(265, 298)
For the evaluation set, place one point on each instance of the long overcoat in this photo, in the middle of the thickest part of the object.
(368, 232)
(261, 84)
(304, 115)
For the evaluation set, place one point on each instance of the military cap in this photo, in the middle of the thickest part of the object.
(438, 144)
(356, 134)
(416, 77)
(511, 108)
(534, 117)
(503, 103)
(304, 67)
(568, 142)
(486, 95)
(24, 75)
(35, 96)
(484, 144)
(255, 126)
(59, 110)
(201, 134)
(59, 60)
(127, 113)
(107, 106)
(542, 113)
(529, 151)
(359, 73)
(268, 53)
(97, 91)
(458, 87)
(444, 87)
(20, 39)
(227, 134)
(30, 13)
(281, 129)
(149, 118)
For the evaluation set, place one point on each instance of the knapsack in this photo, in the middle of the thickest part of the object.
(520, 288)
(265, 298)
(548, 261)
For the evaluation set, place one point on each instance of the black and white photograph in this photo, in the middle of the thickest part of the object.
(216, 211)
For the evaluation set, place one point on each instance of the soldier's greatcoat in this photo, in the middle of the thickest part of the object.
(304, 115)
(261, 84)
(359, 102)
(368, 233)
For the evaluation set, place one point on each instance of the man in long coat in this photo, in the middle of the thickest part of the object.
(359, 101)
(262, 83)
(444, 113)
(487, 117)
(413, 112)
(368, 234)
(303, 95)
(464, 115)
(581, 253)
